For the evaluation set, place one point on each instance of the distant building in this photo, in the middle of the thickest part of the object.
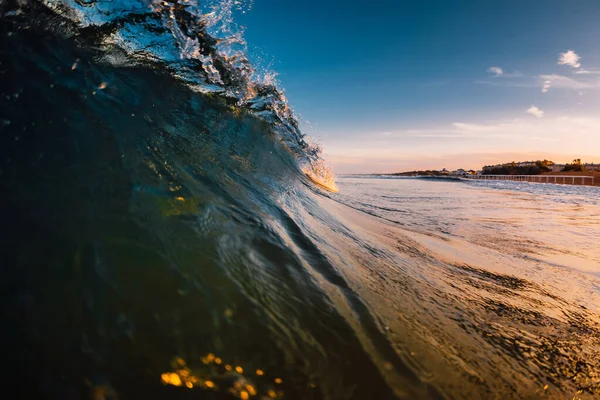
(459, 172)
(526, 164)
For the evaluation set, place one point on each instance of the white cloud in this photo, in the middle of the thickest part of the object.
(468, 127)
(500, 73)
(569, 58)
(587, 72)
(496, 71)
(564, 82)
(533, 110)
(546, 86)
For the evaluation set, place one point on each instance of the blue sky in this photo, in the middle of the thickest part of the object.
(392, 85)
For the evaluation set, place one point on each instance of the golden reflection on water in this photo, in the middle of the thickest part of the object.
(212, 374)
(171, 378)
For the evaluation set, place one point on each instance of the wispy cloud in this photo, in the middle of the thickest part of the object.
(436, 83)
(569, 58)
(541, 129)
(506, 83)
(564, 82)
(546, 129)
(536, 112)
(469, 127)
(587, 72)
(543, 136)
(469, 131)
(547, 81)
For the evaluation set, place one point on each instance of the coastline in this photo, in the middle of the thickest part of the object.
(595, 174)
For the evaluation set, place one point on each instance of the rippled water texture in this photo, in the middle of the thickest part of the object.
(487, 289)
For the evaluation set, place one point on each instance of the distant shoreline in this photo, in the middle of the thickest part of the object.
(414, 174)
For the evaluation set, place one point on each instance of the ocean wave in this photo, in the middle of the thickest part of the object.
(200, 44)
(162, 239)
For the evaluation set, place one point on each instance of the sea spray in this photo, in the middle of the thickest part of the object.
(200, 43)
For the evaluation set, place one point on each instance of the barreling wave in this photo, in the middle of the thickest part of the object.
(199, 44)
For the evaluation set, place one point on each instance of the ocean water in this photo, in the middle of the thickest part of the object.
(169, 233)
(488, 289)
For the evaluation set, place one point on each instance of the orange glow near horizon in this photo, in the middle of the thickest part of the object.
(386, 163)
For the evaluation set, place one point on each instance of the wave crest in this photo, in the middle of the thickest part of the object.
(200, 44)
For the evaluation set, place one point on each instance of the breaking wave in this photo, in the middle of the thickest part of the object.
(199, 44)
(168, 232)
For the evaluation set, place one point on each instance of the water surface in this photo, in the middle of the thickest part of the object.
(161, 237)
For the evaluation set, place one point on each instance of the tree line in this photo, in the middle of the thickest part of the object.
(539, 167)
(515, 169)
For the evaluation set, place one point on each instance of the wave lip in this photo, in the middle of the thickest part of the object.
(200, 44)
(322, 176)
